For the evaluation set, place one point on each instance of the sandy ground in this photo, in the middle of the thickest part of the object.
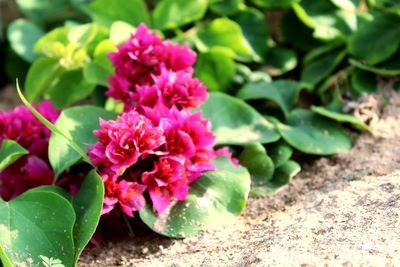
(342, 210)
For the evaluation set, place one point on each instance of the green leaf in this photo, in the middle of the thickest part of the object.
(10, 152)
(349, 5)
(255, 29)
(314, 134)
(377, 40)
(41, 10)
(88, 203)
(223, 32)
(274, 3)
(235, 122)
(78, 124)
(322, 50)
(215, 69)
(326, 19)
(214, 201)
(260, 166)
(106, 12)
(282, 176)
(100, 68)
(171, 14)
(69, 88)
(34, 224)
(341, 117)
(318, 69)
(363, 81)
(22, 35)
(301, 36)
(390, 67)
(280, 60)
(53, 43)
(41, 75)
(284, 93)
(280, 153)
(226, 7)
(121, 31)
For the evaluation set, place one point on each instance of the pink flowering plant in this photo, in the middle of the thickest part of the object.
(155, 156)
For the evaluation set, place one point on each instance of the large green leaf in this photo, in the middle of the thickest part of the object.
(284, 93)
(170, 14)
(341, 117)
(319, 68)
(226, 33)
(22, 35)
(213, 202)
(41, 75)
(37, 224)
(282, 176)
(255, 29)
(314, 134)
(377, 40)
(260, 166)
(68, 88)
(280, 60)
(10, 151)
(88, 203)
(216, 69)
(106, 12)
(235, 122)
(225, 7)
(78, 124)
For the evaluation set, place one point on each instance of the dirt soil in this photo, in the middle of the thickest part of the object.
(342, 210)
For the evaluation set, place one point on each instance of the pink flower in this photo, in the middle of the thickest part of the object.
(171, 88)
(31, 170)
(166, 181)
(143, 56)
(123, 141)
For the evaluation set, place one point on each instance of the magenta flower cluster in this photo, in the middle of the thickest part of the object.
(31, 170)
(157, 145)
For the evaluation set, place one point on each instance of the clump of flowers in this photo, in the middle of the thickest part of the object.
(33, 169)
(157, 145)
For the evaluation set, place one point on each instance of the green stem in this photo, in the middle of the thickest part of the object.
(128, 225)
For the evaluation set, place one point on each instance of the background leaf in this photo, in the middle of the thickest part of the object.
(373, 44)
(106, 12)
(225, 7)
(171, 14)
(215, 69)
(235, 122)
(279, 60)
(282, 176)
(214, 201)
(260, 166)
(10, 151)
(22, 35)
(313, 134)
(284, 93)
(226, 33)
